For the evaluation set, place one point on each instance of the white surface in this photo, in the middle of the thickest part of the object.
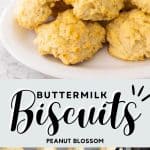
(19, 43)
(10, 68)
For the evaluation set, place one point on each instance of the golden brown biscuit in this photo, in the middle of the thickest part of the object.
(70, 39)
(128, 36)
(144, 5)
(32, 13)
(96, 9)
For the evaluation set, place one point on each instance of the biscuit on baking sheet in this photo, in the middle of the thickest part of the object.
(31, 13)
(96, 10)
(70, 39)
(144, 5)
(129, 36)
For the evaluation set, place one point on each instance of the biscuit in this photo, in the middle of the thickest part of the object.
(32, 13)
(70, 39)
(96, 10)
(128, 36)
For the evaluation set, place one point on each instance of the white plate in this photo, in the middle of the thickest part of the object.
(19, 43)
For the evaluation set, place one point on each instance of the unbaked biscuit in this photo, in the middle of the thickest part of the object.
(70, 39)
(129, 36)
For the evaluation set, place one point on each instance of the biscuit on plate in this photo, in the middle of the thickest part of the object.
(96, 10)
(129, 36)
(31, 13)
(70, 39)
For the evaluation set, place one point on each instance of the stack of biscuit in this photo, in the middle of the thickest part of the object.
(78, 29)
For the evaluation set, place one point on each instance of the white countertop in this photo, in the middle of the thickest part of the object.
(10, 68)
